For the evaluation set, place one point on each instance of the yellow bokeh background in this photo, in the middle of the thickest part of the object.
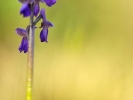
(89, 54)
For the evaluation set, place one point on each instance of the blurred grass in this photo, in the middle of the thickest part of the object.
(88, 56)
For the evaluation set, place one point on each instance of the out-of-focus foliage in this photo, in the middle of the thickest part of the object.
(89, 54)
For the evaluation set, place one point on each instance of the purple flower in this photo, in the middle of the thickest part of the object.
(44, 25)
(24, 43)
(50, 2)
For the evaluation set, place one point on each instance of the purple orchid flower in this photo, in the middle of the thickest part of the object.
(44, 25)
(24, 43)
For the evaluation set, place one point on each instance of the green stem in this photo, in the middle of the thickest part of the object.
(30, 64)
(37, 19)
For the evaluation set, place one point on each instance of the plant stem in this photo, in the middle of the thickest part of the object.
(37, 19)
(30, 56)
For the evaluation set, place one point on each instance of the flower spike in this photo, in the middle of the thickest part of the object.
(26, 10)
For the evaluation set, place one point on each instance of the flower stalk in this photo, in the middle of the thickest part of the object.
(30, 64)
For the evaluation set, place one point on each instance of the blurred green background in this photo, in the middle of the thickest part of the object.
(89, 54)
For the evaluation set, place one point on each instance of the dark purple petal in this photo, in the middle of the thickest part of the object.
(21, 32)
(24, 45)
(44, 35)
(46, 25)
(25, 10)
(49, 24)
(36, 8)
(43, 15)
(50, 2)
